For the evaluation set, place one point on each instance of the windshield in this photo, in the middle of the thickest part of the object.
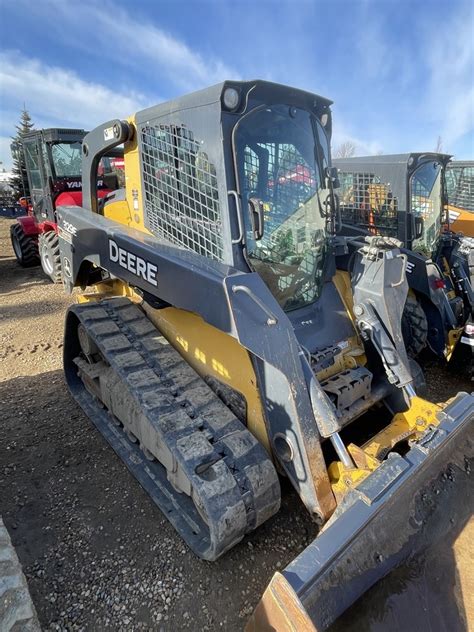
(277, 151)
(368, 202)
(67, 159)
(426, 202)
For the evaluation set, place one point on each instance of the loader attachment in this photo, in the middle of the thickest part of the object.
(407, 504)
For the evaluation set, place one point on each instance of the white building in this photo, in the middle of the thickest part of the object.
(5, 176)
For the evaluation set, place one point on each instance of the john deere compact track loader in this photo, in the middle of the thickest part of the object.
(403, 196)
(220, 347)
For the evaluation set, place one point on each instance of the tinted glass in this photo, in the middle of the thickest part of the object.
(67, 159)
(33, 165)
(281, 152)
(426, 202)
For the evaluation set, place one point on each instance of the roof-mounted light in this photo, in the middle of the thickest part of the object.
(231, 98)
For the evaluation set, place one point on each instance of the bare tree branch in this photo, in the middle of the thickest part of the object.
(345, 150)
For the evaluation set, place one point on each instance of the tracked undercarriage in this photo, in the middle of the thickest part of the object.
(241, 350)
(202, 467)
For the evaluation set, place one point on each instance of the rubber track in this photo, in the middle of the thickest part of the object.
(17, 612)
(237, 484)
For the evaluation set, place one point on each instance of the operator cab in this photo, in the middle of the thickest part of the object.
(283, 170)
(400, 196)
(53, 162)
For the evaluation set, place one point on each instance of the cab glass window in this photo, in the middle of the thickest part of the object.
(33, 165)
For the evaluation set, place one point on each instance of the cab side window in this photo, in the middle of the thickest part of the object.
(33, 164)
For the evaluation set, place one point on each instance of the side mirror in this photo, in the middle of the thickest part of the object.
(110, 181)
(256, 217)
(418, 227)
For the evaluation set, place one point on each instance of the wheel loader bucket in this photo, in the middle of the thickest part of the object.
(408, 504)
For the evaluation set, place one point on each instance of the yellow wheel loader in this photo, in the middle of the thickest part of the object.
(218, 347)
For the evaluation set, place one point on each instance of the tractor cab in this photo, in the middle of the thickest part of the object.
(53, 160)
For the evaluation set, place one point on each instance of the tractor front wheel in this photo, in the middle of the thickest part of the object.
(24, 246)
(50, 256)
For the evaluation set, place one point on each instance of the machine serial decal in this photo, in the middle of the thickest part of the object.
(67, 231)
(68, 227)
(62, 234)
(133, 263)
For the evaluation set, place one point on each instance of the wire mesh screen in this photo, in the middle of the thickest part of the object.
(367, 202)
(180, 190)
(461, 191)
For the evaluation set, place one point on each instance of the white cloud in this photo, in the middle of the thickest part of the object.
(449, 99)
(55, 96)
(132, 41)
(364, 146)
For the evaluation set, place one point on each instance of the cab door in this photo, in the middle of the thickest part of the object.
(37, 177)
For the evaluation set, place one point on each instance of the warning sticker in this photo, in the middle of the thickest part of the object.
(109, 133)
(63, 234)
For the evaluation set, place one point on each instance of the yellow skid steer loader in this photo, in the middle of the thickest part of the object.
(218, 346)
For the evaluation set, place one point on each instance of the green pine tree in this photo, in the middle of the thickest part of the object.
(19, 180)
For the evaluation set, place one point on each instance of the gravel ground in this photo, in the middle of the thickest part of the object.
(97, 553)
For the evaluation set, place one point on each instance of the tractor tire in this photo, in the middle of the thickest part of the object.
(50, 256)
(414, 327)
(17, 611)
(24, 246)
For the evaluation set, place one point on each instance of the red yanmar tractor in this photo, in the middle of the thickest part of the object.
(53, 159)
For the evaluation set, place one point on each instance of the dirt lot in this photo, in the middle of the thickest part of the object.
(96, 551)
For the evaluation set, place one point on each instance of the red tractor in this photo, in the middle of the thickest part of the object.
(53, 159)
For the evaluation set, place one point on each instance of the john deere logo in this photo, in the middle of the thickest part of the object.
(67, 267)
(133, 263)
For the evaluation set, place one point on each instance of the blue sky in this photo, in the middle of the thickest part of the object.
(401, 72)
